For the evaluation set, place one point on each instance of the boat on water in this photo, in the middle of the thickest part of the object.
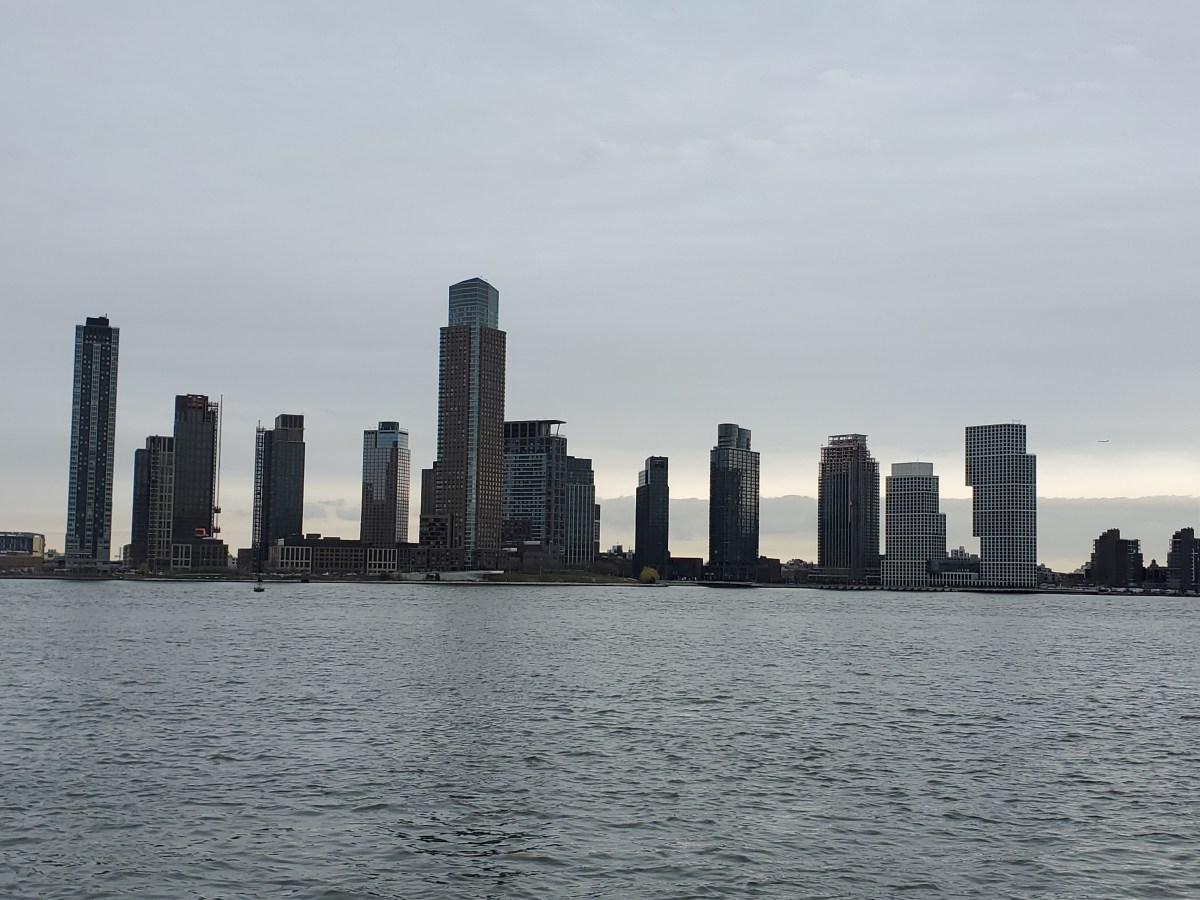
(726, 584)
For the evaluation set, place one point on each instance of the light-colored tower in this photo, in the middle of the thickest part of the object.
(915, 526)
(1004, 508)
(385, 485)
(470, 457)
(93, 441)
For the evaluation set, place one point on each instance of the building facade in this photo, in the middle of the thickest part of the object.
(1004, 504)
(582, 515)
(652, 517)
(197, 431)
(848, 510)
(22, 552)
(93, 442)
(470, 457)
(153, 504)
(1183, 561)
(733, 501)
(534, 501)
(915, 527)
(278, 484)
(1116, 561)
(386, 479)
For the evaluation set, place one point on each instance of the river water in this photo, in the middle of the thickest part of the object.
(389, 740)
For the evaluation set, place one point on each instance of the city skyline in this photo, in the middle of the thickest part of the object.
(154, 476)
(975, 216)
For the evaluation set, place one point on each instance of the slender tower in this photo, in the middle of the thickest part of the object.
(153, 498)
(278, 484)
(733, 506)
(652, 517)
(93, 439)
(385, 485)
(470, 434)
(196, 436)
(582, 528)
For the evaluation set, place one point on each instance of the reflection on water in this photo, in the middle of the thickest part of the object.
(432, 741)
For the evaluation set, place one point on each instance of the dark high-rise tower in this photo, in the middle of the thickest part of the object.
(848, 510)
(1116, 561)
(583, 531)
(733, 506)
(196, 434)
(386, 478)
(652, 518)
(278, 484)
(534, 500)
(1183, 561)
(153, 500)
(470, 457)
(93, 440)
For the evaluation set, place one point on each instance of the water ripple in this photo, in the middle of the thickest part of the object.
(329, 741)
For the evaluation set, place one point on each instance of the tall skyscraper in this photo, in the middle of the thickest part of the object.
(1004, 505)
(385, 485)
(278, 484)
(194, 542)
(153, 503)
(470, 457)
(93, 441)
(582, 514)
(652, 518)
(534, 499)
(916, 528)
(733, 506)
(197, 431)
(848, 510)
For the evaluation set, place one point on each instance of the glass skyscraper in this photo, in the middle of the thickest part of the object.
(733, 499)
(385, 485)
(583, 526)
(652, 518)
(534, 501)
(93, 440)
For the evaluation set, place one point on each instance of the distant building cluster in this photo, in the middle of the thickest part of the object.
(509, 495)
(1116, 563)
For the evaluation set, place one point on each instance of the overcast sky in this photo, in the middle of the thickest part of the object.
(892, 218)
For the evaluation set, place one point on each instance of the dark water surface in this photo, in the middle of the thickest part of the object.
(438, 741)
